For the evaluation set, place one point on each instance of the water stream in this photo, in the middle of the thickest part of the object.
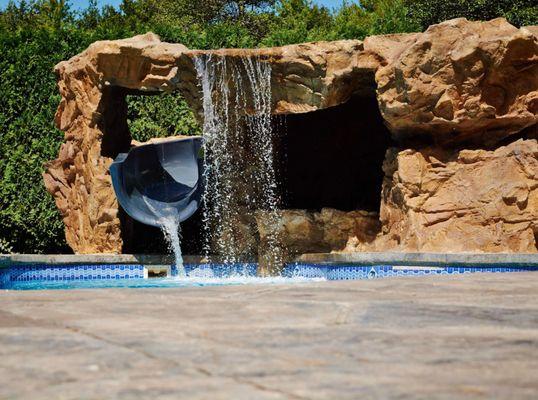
(238, 155)
(168, 218)
(172, 233)
(239, 171)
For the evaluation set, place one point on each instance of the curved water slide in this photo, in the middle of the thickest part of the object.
(160, 179)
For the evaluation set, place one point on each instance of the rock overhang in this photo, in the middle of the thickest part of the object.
(305, 77)
(457, 81)
(458, 84)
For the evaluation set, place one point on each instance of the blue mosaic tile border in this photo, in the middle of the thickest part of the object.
(5, 277)
(59, 273)
(348, 272)
(50, 273)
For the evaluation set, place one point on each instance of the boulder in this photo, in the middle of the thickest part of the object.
(303, 231)
(459, 201)
(462, 82)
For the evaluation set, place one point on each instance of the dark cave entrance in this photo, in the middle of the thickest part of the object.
(333, 157)
(327, 158)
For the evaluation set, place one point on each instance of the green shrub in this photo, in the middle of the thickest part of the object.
(518, 12)
(160, 116)
(29, 220)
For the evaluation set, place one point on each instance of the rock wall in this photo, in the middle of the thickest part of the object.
(458, 85)
(95, 128)
(458, 201)
(462, 82)
(301, 231)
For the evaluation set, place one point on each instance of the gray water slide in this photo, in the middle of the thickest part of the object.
(159, 179)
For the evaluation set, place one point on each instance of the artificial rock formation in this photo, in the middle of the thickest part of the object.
(301, 231)
(469, 200)
(463, 81)
(458, 84)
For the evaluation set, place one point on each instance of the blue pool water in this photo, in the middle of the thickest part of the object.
(35, 277)
(153, 283)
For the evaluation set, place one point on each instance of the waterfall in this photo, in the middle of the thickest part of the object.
(171, 229)
(168, 219)
(238, 154)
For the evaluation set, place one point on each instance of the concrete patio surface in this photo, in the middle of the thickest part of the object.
(432, 337)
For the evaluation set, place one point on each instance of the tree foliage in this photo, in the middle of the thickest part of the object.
(517, 12)
(28, 100)
(160, 116)
(36, 34)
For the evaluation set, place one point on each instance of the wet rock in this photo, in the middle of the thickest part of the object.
(303, 231)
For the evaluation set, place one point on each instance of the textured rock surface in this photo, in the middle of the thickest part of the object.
(79, 179)
(301, 231)
(92, 111)
(459, 81)
(463, 81)
(471, 200)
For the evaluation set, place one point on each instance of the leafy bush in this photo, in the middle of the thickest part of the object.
(160, 116)
(29, 221)
(518, 12)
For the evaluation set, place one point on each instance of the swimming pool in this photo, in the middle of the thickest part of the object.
(36, 276)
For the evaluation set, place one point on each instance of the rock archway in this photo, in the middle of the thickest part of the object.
(452, 99)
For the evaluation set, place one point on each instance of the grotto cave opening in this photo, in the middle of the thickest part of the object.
(333, 157)
(330, 158)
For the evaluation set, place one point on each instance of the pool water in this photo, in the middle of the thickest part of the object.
(138, 283)
(77, 276)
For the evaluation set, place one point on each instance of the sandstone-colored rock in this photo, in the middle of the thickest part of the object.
(463, 81)
(92, 111)
(302, 231)
(318, 75)
(339, 227)
(459, 81)
(308, 76)
(462, 201)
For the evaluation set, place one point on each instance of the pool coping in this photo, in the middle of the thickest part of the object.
(88, 259)
(356, 258)
(422, 259)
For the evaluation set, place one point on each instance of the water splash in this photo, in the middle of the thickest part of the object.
(171, 230)
(238, 155)
(168, 219)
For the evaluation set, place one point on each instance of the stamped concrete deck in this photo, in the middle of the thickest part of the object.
(433, 337)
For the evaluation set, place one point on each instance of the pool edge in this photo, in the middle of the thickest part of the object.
(357, 258)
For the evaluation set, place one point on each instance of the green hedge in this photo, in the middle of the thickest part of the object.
(35, 36)
(29, 221)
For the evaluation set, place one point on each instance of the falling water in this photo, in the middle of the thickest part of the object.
(238, 153)
(168, 219)
(171, 229)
